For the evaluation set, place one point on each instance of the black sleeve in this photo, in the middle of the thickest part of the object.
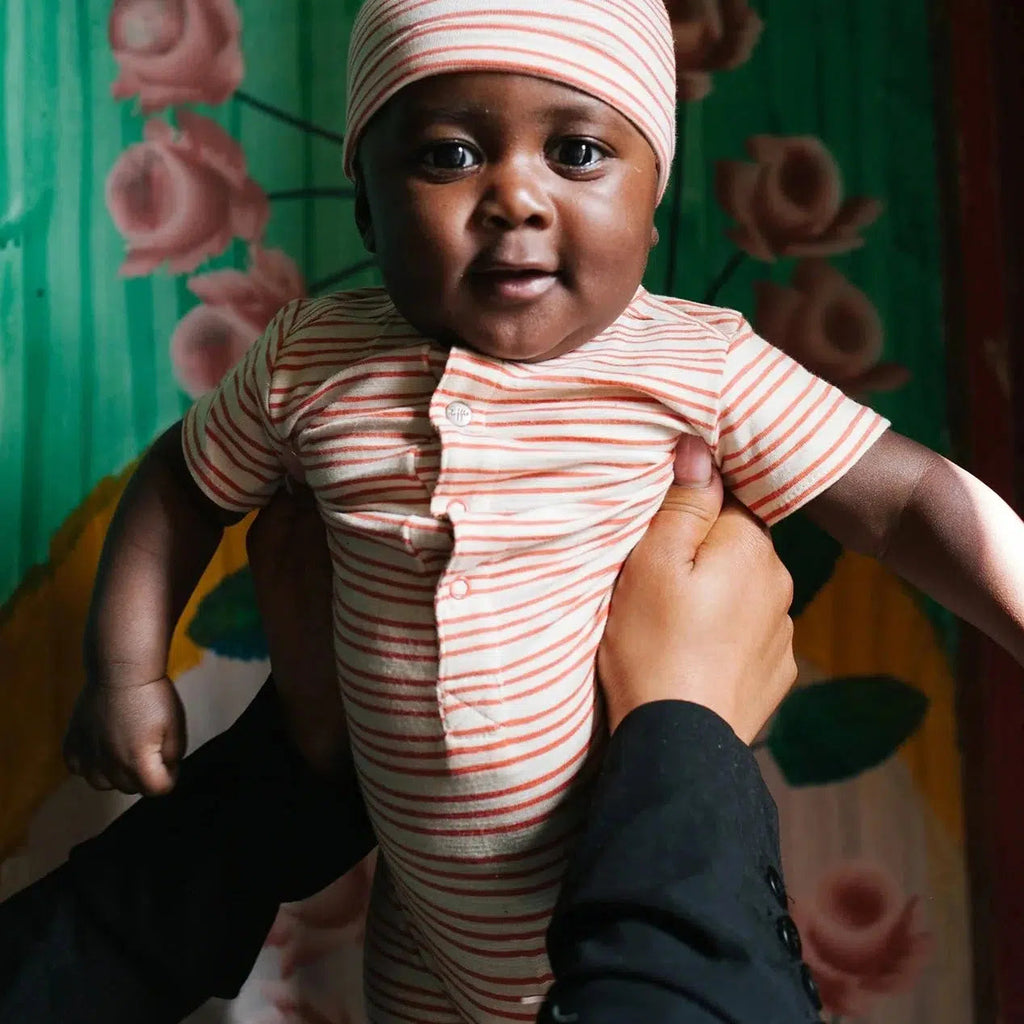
(673, 908)
(171, 904)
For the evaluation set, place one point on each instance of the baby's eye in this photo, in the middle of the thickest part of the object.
(580, 154)
(449, 156)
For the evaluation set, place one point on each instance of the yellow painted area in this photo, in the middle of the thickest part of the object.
(41, 630)
(865, 621)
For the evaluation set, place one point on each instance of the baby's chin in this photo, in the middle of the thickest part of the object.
(516, 352)
(515, 345)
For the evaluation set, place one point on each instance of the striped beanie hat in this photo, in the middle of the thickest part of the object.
(620, 51)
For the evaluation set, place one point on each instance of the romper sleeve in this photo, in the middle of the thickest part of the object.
(230, 441)
(783, 435)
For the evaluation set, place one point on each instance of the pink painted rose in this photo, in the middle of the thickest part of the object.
(180, 197)
(710, 35)
(176, 51)
(829, 326)
(862, 937)
(210, 339)
(789, 201)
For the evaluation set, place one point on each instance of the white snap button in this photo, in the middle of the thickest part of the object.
(458, 413)
(460, 588)
(455, 507)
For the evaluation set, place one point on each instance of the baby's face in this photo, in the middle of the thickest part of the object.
(509, 214)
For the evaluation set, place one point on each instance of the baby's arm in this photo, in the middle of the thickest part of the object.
(938, 527)
(128, 728)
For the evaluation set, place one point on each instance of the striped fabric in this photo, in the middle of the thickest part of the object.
(620, 51)
(478, 512)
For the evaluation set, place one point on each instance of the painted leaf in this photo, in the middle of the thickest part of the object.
(810, 555)
(837, 729)
(228, 621)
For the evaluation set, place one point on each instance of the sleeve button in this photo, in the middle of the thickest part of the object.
(778, 890)
(789, 936)
(810, 986)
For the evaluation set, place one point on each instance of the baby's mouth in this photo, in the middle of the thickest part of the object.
(513, 284)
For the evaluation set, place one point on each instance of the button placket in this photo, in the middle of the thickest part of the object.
(451, 416)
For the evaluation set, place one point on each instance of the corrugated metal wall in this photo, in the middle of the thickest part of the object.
(85, 379)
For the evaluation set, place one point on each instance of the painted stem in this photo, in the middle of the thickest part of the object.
(283, 115)
(725, 275)
(676, 208)
(312, 193)
(341, 275)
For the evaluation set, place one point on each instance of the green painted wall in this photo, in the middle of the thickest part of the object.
(85, 377)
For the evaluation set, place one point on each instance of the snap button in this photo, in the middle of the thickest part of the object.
(459, 589)
(778, 890)
(789, 936)
(810, 986)
(458, 413)
(455, 507)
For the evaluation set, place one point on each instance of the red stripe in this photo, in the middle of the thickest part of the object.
(820, 461)
(368, 62)
(763, 443)
(820, 426)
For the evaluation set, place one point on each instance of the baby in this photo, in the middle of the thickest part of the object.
(487, 438)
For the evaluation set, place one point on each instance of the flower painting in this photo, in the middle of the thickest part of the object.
(170, 52)
(172, 177)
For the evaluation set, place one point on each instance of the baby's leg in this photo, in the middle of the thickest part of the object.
(400, 988)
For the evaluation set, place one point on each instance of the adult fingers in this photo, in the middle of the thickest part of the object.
(691, 505)
(737, 532)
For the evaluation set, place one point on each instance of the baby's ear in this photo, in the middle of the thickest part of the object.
(362, 212)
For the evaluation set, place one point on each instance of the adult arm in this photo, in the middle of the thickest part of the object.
(171, 904)
(673, 908)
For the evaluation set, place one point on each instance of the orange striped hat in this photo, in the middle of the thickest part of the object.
(620, 51)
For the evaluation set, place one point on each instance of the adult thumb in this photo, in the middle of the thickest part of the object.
(693, 502)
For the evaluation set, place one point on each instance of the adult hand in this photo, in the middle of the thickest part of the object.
(700, 611)
(291, 568)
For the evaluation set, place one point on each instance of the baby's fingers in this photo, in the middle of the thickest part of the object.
(113, 774)
(72, 760)
(155, 778)
(83, 757)
(81, 754)
(155, 761)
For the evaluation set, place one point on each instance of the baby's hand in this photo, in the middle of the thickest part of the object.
(129, 738)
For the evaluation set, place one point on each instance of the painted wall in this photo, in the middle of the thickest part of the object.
(88, 378)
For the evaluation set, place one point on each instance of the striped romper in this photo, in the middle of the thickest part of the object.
(478, 512)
